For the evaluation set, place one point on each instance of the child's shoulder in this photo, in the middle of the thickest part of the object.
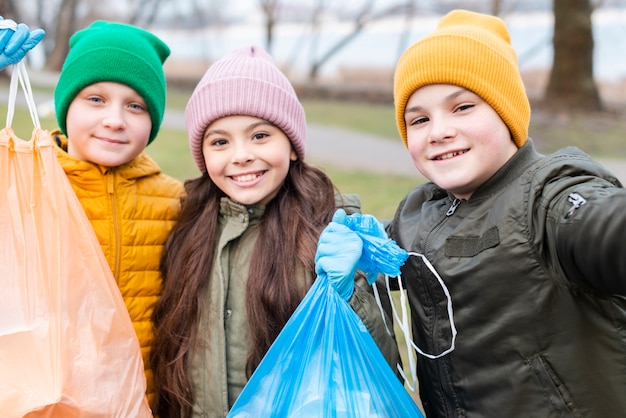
(152, 178)
(567, 163)
(351, 203)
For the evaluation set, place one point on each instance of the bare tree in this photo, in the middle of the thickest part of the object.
(362, 18)
(62, 18)
(8, 10)
(66, 16)
(145, 13)
(571, 85)
(271, 11)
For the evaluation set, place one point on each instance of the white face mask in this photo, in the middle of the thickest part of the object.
(404, 324)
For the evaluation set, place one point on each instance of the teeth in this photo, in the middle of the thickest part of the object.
(247, 177)
(450, 155)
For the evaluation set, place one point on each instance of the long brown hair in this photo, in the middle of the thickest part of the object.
(289, 231)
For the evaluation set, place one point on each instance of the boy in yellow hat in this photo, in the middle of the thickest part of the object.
(528, 246)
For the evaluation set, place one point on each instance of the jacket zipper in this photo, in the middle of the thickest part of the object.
(116, 230)
(444, 387)
(452, 209)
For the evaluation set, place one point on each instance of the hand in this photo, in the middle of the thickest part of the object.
(365, 224)
(338, 252)
(15, 41)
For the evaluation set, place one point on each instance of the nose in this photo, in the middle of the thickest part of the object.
(242, 153)
(440, 129)
(114, 118)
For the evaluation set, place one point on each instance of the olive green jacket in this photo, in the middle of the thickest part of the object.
(218, 362)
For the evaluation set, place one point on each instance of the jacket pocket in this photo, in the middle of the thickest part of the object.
(552, 388)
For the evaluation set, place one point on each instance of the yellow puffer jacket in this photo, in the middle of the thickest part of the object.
(132, 209)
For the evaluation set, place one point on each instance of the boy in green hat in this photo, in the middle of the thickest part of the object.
(110, 100)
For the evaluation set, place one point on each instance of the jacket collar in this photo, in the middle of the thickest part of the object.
(230, 208)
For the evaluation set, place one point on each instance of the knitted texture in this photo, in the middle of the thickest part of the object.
(245, 82)
(473, 51)
(109, 51)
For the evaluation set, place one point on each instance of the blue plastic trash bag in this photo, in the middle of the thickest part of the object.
(324, 363)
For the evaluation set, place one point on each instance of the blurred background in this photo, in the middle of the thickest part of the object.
(340, 56)
(567, 49)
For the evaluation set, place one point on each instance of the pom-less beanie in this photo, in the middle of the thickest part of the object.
(470, 50)
(245, 82)
(118, 52)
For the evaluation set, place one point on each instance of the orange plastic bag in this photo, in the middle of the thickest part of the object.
(67, 345)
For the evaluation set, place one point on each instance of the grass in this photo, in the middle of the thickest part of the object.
(374, 119)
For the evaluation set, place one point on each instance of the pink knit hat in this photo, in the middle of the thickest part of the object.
(245, 82)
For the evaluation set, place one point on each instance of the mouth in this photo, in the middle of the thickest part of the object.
(449, 155)
(111, 140)
(245, 178)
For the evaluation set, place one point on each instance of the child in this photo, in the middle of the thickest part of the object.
(529, 246)
(241, 257)
(109, 100)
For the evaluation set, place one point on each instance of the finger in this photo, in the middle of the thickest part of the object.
(340, 216)
(15, 42)
(7, 30)
(35, 37)
(335, 230)
(5, 35)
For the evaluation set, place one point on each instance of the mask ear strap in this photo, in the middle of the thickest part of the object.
(449, 308)
(405, 326)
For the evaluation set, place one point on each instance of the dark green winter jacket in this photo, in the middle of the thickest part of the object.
(535, 263)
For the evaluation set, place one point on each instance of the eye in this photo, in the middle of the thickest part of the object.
(95, 99)
(463, 107)
(214, 141)
(259, 136)
(219, 142)
(418, 121)
(137, 106)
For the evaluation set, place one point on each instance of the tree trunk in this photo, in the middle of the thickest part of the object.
(571, 86)
(270, 10)
(64, 30)
(9, 11)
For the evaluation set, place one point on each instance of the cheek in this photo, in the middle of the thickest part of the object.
(72, 121)
(215, 162)
(143, 125)
(415, 145)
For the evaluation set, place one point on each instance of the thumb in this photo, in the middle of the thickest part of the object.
(340, 216)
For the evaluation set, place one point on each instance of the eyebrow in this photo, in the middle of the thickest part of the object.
(450, 96)
(249, 128)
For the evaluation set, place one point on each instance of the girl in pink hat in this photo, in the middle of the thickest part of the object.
(241, 258)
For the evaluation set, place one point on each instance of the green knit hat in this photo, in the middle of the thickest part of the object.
(109, 51)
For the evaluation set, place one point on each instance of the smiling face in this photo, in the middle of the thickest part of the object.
(247, 158)
(456, 139)
(107, 124)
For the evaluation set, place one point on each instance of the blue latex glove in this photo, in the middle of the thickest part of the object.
(380, 253)
(15, 41)
(338, 252)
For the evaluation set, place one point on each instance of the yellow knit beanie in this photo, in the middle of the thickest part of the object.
(470, 50)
